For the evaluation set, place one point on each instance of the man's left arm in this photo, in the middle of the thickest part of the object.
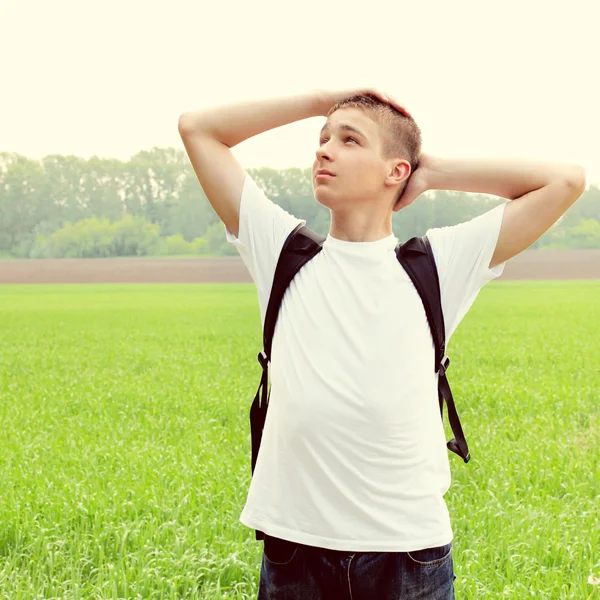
(541, 193)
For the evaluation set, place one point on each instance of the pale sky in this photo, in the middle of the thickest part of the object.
(515, 78)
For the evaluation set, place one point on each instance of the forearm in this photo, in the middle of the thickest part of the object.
(508, 178)
(232, 124)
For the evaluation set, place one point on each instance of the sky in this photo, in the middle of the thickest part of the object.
(482, 79)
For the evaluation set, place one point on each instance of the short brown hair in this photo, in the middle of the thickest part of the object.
(401, 136)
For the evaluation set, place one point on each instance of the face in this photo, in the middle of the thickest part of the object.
(349, 147)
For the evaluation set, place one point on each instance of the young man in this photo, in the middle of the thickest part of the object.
(349, 482)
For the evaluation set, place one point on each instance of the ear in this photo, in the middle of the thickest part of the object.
(399, 172)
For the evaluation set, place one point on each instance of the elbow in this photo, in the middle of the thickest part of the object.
(185, 124)
(190, 122)
(578, 179)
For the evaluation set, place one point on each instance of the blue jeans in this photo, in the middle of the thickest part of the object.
(292, 571)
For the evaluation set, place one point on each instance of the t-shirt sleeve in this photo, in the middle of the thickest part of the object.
(263, 229)
(462, 254)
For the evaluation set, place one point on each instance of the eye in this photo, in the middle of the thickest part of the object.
(347, 138)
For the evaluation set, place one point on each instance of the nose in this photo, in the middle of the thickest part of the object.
(322, 152)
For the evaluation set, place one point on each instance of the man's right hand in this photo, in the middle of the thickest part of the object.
(331, 97)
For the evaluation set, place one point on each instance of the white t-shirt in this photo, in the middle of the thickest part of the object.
(353, 455)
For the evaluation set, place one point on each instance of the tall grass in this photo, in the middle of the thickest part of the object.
(125, 453)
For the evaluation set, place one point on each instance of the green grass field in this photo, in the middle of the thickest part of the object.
(125, 441)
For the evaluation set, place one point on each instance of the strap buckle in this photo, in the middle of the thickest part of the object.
(444, 364)
(262, 359)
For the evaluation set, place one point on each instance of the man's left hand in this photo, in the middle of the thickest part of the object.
(418, 182)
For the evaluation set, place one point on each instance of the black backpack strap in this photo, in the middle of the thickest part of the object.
(416, 256)
(301, 245)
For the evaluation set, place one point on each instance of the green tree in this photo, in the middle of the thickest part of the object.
(586, 234)
(22, 206)
(88, 238)
(159, 186)
(174, 245)
(134, 236)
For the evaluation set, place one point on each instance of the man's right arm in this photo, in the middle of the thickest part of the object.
(209, 134)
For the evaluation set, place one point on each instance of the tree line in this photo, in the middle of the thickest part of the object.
(152, 205)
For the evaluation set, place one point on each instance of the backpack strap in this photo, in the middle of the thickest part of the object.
(416, 256)
(301, 245)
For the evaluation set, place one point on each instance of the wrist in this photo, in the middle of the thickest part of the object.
(432, 167)
(322, 102)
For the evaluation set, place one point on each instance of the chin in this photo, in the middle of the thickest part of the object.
(324, 199)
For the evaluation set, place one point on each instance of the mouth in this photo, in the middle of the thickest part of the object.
(324, 174)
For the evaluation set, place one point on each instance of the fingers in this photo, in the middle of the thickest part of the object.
(399, 107)
(392, 101)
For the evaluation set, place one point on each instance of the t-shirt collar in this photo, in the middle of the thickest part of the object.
(382, 244)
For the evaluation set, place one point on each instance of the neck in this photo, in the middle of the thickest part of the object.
(359, 228)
